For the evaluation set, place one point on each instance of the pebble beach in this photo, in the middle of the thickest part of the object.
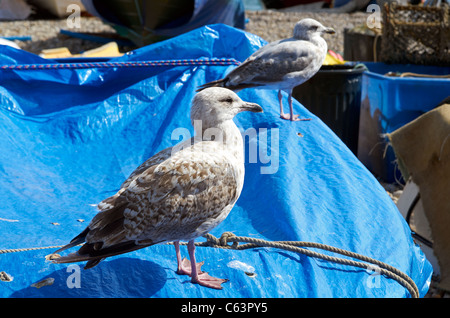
(270, 25)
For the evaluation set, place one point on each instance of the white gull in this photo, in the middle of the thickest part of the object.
(282, 64)
(180, 193)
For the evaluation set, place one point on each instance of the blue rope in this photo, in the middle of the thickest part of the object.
(180, 62)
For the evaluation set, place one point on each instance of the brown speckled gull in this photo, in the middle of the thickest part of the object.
(282, 64)
(180, 193)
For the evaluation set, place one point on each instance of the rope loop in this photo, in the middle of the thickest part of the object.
(293, 246)
(225, 237)
(221, 242)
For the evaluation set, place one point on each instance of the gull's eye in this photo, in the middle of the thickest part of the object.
(228, 100)
(314, 28)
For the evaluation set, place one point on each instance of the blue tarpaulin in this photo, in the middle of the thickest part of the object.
(71, 133)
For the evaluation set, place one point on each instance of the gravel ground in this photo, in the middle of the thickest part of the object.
(45, 34)
(275, 25)
(271, 25)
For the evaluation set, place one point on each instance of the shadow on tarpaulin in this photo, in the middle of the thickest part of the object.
(70, 135)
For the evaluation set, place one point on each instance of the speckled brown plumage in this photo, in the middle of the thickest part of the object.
(180, 193)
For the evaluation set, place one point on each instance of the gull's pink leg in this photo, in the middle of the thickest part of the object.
(183, 265)
(291, 108)
(202, 279)
(280, 100)
(291, 115)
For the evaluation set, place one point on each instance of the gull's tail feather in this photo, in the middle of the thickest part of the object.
(225, 83)
(94, 253)
(217, 83)
(80, 238)
(105, 236)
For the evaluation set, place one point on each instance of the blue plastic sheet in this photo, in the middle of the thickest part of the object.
(70, 135)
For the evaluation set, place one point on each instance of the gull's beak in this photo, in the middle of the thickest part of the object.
(329, 31)
(252, 107)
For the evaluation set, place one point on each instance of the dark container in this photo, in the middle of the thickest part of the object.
(334, 95)
(361, 46)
